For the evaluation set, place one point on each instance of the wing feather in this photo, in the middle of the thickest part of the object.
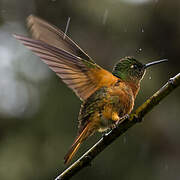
(83, 77)
(48, 33)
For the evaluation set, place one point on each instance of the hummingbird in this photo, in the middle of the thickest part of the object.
(106, 97)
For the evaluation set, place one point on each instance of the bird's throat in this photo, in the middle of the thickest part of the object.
(134, 86)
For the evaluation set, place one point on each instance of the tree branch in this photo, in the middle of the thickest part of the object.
(107, 139)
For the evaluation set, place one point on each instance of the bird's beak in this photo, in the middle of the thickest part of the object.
(154, 62)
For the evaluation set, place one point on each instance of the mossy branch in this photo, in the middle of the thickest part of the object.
(135, 117)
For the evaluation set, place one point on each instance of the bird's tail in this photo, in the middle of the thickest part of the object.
(86, 132)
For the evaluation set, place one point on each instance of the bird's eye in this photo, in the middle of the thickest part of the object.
(133, 66)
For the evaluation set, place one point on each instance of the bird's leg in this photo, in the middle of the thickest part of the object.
(122, 119)
(116, 120)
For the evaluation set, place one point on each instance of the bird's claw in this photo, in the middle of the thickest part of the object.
(122, 119)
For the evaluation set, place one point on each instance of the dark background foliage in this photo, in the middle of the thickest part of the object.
(38, 113)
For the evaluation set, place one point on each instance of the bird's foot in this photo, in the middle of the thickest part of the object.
(122, 119)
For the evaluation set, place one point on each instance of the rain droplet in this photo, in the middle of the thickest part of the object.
(67, 26)
(142, 30)
(150, 77)
(105, 16)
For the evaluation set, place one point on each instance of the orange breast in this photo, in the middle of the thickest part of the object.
(101, 77)
(125, 95)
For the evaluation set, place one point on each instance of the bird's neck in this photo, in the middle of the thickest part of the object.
(134, 86)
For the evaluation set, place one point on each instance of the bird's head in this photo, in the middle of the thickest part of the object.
(129, 69)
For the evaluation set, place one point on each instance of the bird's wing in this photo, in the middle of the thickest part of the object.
(83, 76)
(48, 33)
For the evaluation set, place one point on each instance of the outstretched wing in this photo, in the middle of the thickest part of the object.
(84, 77)
(48, 33)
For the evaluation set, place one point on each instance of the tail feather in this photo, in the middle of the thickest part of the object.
(82, 136)
(71, 153)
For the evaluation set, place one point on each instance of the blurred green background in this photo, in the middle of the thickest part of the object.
(38, 113)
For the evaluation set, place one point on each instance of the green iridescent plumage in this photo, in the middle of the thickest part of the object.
(129, 69)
